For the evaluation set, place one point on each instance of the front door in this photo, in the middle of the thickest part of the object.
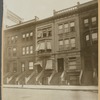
(60, 64)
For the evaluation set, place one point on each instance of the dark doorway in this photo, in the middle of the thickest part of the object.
(60, 64)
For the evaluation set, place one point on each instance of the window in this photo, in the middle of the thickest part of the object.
(23, 67)
(12, 39)
(39, 34)
(61, 42)
(30, 65)
(14, 51)
(72, 58)
(9, 51)
(86, 22)
(61, 47)
(23, 50)
(72, 26)
(42, 47)
(27, 36)
(72, 43)
(31, 49)
(16, 37)
(14, 67)
(44, 34)
(23, 36)
(27, 50)
(60, 29)
(49, 33)
(48, 46)
(94, 19)
(87, 37)
(31, 35)
(94, 36)
(72, 65)
(67, 43)
(66, 28)
(60, 26)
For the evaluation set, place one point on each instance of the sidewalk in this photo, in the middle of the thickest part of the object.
(51, 87)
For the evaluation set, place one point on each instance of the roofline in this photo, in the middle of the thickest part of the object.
(33, 21)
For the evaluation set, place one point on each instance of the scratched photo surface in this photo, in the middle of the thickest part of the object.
(50, 50)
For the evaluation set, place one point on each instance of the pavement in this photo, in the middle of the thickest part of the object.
(51, 87)
(47, 93)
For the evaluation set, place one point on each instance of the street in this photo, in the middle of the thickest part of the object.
(43, 94)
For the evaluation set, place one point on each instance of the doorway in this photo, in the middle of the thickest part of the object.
(60, 62)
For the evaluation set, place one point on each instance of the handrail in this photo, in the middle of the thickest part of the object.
(62, 76)
(37, 78)
(20, 76)
(80, 76)
(66, 10)
(29, 77)
(50, 78)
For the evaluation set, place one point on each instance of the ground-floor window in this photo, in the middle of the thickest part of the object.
(31, 66)
(23, 67)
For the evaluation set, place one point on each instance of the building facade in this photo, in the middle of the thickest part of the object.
(19, 54)
(59, 50)
(88, 17)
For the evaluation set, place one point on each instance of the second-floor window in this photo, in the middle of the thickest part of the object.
(67, 43)
(23, 50)
(72, 41)
(27, 50)
(31, 49)
(30, 65)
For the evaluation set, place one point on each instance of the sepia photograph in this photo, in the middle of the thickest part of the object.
(50, 50)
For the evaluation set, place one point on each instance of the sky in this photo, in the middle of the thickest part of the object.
(28, 9)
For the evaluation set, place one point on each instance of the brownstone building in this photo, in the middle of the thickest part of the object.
(88, 18)
(19, 54)
(59, 50)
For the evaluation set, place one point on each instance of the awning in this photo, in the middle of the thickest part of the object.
(49, 64)
(42, 46)
(38, 63)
